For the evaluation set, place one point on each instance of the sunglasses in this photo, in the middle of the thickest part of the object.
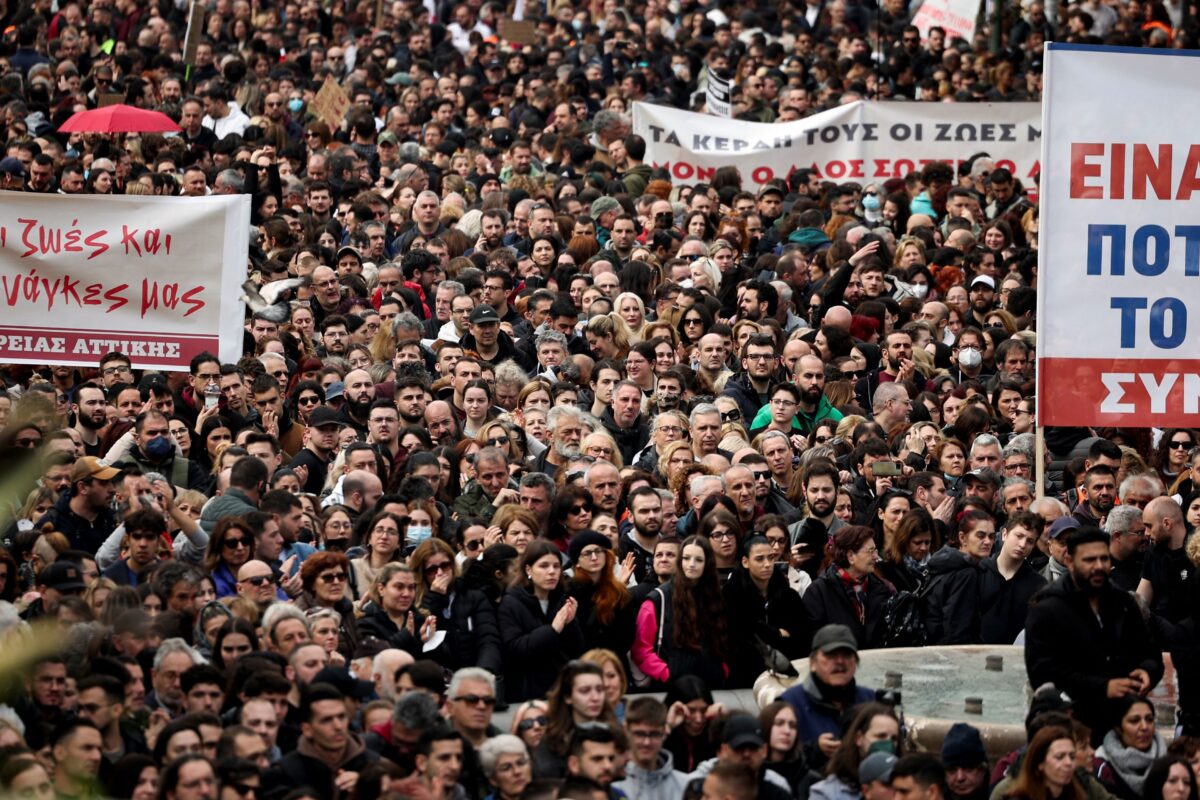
(529, 722)
(580, 509)
(434, 569)
(233, 544)
(731, 416)
(333, 577)
(1179, 445)
(473, 545)
(497, 441)
(476, 699)
(259, 580)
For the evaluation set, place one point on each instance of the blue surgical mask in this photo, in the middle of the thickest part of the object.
(415, 534)
(295, 105)
(871, 202)
(159, 448)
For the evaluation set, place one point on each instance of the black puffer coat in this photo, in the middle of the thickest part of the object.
(534, 653)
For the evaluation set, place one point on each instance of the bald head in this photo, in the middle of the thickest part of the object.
(838, 317)
(253, 569)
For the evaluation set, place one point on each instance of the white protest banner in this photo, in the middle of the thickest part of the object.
(156, 278)
(1119, 244)
(718, 96)
(956, 17)
(861, 141)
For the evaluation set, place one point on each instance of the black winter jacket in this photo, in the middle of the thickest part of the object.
(472, 632)
(629, 440)
(828, 601)
(534, 652)
(951, 607)
(617, 634)
(1066, 645)
(375, 622)
(751, 614)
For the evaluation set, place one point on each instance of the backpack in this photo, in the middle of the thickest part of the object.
(903, 619)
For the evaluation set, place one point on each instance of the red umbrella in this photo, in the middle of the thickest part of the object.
(119, 118)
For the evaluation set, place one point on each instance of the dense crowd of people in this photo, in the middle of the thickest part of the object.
(523, 424)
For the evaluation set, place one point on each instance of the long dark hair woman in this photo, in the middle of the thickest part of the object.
(681, 626)
(570, 513)
(1170, 778)
(538, 628)
(873, 724)
(576, 698)
(691, 715)
(785, 748)
(849, 592)
(492, 572)
(1130, 748)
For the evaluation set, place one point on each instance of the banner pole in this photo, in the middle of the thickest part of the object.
(1039, 466)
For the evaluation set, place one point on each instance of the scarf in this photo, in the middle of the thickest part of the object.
(1129, 763)
(857, 587)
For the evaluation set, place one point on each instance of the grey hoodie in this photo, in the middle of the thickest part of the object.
(663, 783)
(769, 775)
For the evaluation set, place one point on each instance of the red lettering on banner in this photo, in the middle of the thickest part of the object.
(1119, 392)
(1101, 171)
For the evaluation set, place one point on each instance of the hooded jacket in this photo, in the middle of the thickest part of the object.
(664, 782)
(951, 608)
(507, 349)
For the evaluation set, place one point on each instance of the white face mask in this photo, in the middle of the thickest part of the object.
(919, 290)
(969, 358)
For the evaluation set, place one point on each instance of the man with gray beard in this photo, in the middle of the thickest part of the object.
(566, 432)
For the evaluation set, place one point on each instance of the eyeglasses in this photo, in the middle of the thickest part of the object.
(259, 580)
(670, 429)
(529, 722)
(233, 544)
(476, 699)
(759, 356)
(333, 577)
(783, 402)
(723, 535)
(592, 552)
(110, 371)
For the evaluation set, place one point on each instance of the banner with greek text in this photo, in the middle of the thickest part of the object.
(1119, 242)
(156, 278)
(955, 17)
(861, 141)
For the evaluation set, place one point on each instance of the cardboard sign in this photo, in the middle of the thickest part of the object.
(331, 103)
(519, 31)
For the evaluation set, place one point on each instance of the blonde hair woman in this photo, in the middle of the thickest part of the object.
(608, 336)
(631, 309)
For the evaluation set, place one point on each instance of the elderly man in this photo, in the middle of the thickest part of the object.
(565, 424)
(823, 696)
(492, 487)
